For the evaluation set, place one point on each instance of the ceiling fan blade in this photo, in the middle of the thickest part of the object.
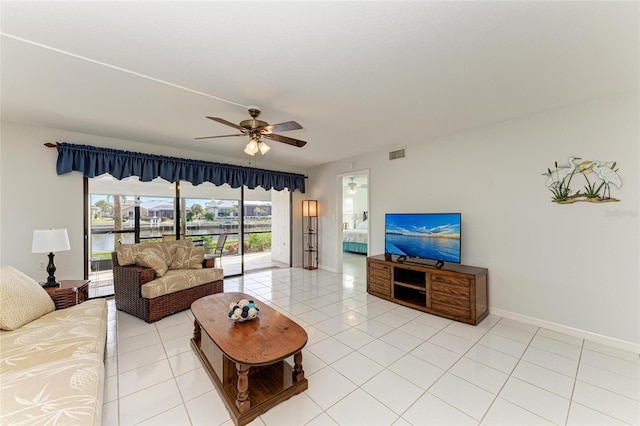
(228, 123)
(281, 127)
(222, 136)
(285, 139)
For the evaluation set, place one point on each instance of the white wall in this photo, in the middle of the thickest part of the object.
(572, 265)
(33, 196)
(280, 235)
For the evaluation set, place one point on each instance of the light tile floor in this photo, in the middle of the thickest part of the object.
(101, 284)
(372, 362)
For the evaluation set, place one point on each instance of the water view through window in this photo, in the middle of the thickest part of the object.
(113, 220)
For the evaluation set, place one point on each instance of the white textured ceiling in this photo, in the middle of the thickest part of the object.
(358, 76)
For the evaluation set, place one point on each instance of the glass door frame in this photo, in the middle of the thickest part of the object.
(179, 232)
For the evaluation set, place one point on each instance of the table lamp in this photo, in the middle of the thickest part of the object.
(50, 241)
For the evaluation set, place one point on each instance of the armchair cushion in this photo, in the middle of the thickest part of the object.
(22, 299)
(127, 253)
(176, 280)
(187, 258)
(154, 259)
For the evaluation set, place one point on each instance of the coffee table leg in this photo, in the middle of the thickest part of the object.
(242, 402)
(298, 372)
(196, 333)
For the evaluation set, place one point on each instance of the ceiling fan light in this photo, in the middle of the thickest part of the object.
(264, 148)
(251, 148)
(352, 187)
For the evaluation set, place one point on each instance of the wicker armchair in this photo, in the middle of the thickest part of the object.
(127, 282)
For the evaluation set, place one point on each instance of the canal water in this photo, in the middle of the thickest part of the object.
(102, 238)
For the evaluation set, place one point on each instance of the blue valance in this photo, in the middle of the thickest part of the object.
(93, 161)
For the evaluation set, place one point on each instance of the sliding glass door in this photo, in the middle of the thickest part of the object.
(211, 211)
(130, 211)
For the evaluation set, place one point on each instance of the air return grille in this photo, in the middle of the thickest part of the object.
(397, 154)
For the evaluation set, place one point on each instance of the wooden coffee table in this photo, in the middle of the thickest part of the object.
(246, 361)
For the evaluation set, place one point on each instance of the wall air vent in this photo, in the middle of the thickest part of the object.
(397, 154)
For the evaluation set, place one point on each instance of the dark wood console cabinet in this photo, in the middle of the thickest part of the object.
(454, 291)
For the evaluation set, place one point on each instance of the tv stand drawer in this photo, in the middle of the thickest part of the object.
(449, 279)
(450, 289)
(450, 311)
(449, 300)
(379, 279)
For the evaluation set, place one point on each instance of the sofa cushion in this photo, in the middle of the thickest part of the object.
(127, 253)
(187, 258)
(179, 279)
(65, 333)
(22, 299)
(64, 392)
(152, 258)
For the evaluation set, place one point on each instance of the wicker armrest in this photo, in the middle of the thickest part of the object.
(209, 262)
(143, 275)
(131, 277)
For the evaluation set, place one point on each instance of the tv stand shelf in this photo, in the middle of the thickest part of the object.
(458, 292)
(412, 286)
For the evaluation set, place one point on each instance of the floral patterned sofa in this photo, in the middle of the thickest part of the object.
(51, 361)
(153, 280)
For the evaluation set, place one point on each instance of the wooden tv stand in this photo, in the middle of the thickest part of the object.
(454, 291)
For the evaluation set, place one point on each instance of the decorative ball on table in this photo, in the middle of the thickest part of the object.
(243, 310)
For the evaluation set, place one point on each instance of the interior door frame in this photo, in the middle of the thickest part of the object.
(339, 211)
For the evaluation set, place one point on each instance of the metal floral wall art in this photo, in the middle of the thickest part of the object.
(603, 175)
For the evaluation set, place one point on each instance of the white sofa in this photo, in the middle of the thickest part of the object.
(51, 361)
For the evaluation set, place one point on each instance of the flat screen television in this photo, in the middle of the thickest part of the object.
(434, 236)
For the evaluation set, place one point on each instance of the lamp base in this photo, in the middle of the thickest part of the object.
(51, 269)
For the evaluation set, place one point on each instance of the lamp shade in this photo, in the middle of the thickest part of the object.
(310, 208)
(264, 148)
(50, 241)
(252, 147)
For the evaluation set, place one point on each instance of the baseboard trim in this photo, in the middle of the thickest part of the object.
(576, 332)
(328, 269)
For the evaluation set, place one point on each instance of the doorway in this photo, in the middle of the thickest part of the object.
(354, 232)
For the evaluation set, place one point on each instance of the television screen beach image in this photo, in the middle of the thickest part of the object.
(424, 235)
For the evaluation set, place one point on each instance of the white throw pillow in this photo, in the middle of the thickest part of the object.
(22, 299)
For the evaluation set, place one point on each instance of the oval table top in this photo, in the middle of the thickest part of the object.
(264, 340)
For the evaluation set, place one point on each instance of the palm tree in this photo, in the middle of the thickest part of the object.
(117, 215)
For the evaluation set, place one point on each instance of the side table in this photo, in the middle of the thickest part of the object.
(69, 293)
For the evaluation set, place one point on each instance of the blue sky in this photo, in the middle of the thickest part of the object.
(415, 223)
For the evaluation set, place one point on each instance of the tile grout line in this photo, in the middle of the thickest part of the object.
(575, 381)
(505, 383)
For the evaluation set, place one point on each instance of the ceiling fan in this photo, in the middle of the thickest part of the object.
(352, 186)
(256, 128)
